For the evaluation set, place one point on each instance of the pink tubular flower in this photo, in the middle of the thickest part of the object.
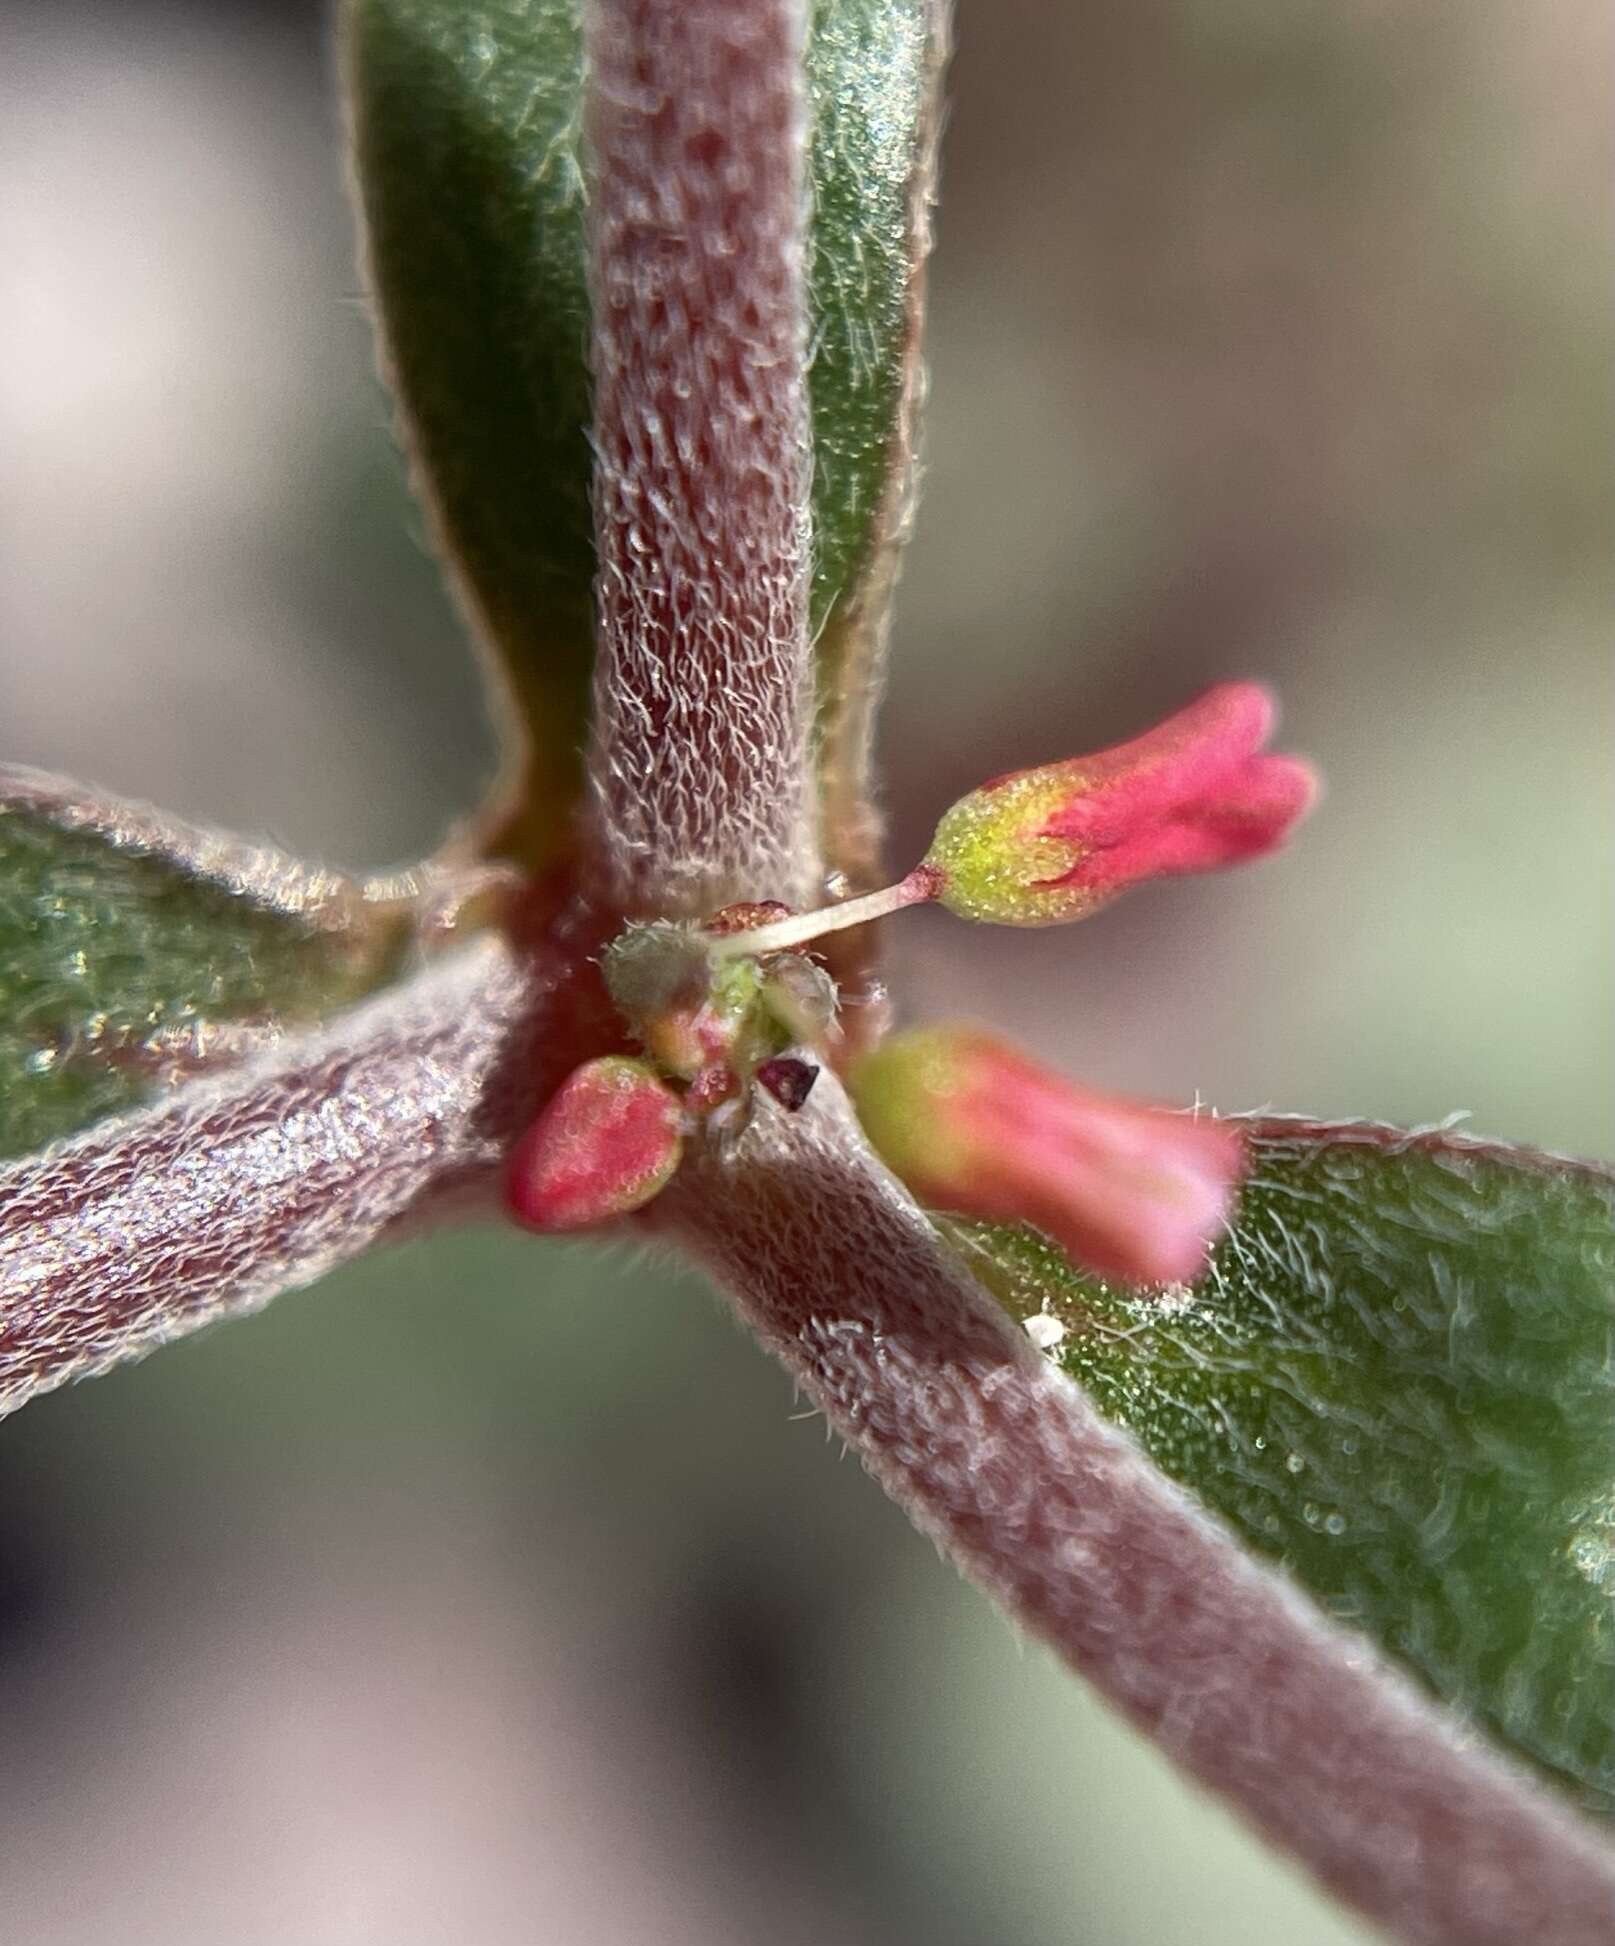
(1195, 793)
(607, 1141)
(1132, 1192)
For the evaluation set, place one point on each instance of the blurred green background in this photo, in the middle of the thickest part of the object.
(501, 1594)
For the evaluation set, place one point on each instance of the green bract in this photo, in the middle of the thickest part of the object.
(1398, 1379)
(124, 967)
(469, 141)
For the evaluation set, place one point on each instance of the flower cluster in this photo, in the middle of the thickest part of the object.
(1132, 1191)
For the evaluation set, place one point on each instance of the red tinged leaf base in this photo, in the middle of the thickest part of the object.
(604, 1146)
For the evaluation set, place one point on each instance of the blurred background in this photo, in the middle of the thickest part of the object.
(501, 1594)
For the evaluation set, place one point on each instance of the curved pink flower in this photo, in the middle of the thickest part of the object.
(1133, 1192)
(1194, 794)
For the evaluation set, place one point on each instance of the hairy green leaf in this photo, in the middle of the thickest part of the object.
(873, 72)
(134, 952)
(468, 129)
(1398, 1379)
(468, 120)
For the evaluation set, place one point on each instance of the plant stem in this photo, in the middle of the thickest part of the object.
(1009, 1466)
(700, 750)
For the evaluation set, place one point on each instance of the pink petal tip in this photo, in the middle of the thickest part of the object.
(1132, 1192)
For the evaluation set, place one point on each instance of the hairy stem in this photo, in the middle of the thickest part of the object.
(1003, 1461)
(699, 758)
(151, 1225)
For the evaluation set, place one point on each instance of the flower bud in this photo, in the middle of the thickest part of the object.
(1132, 1192)
(1195, 793)
(607, 1141)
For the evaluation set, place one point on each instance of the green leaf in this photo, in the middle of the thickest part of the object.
(873, 74)
(134, 952)
(1398, 1379)
(468, 128)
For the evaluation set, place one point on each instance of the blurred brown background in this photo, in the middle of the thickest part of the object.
(494, 1593)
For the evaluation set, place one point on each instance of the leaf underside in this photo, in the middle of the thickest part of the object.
(1397, 1379)
(469, 142)
(123, 969)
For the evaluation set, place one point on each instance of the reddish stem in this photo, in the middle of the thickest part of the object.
(700, 754)
(999, 1457)
(211, 1202)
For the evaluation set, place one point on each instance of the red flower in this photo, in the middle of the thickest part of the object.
(1132, 1192)
(1195, 793)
